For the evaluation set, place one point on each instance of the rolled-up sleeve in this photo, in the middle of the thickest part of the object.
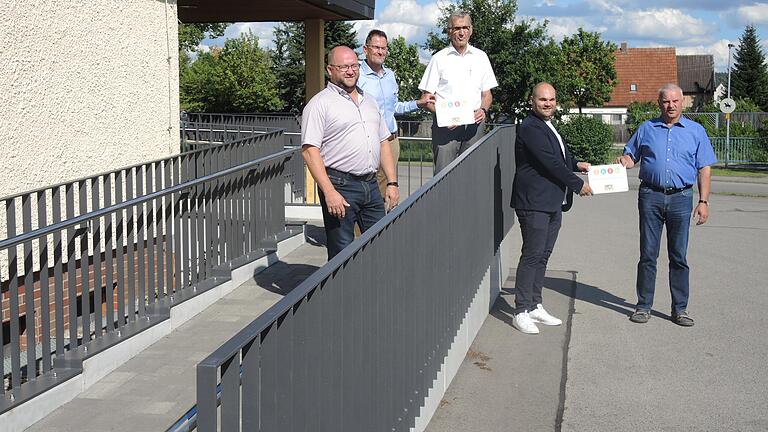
(431, 77)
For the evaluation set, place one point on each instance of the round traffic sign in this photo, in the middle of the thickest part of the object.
(727, 105)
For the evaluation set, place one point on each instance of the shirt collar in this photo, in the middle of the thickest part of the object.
(659, 122)
(342, 92)
(452, 50)
(365, 69)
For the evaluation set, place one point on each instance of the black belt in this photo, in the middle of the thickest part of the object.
(666, 191)
(350, 176)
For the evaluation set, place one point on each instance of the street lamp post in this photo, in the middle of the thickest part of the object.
(728, 116)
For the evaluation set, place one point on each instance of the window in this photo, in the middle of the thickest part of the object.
(633, 87)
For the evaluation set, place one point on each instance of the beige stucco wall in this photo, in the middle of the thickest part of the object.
(86, 86)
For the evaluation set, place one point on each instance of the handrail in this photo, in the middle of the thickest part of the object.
(229, 348)
(58, 226)
(275, 132)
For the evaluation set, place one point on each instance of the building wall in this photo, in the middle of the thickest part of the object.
(647, 68)
(86, 87)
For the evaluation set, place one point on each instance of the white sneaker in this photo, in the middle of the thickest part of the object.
(524, 323)
(541, 316)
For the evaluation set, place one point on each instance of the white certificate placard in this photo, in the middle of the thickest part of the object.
(608, 178)
(454, 112)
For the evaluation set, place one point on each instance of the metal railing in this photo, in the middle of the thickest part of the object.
(740, 149)
(358, 344)
(285, 121)
(99, 258)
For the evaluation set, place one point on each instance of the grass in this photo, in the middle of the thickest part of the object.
(739, 172)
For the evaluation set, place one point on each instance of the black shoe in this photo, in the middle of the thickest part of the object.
(682, 319)
(640, 316)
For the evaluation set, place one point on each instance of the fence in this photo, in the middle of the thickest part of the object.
(140, 236)
(356, 347)
(740, 149)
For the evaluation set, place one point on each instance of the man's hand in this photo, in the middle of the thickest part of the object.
(626, 161)
(701, 213)
(427, 106)
(391, 198)
(583, 166)
(426, 101)
(479, 115)
(337, 205)
(586, 190)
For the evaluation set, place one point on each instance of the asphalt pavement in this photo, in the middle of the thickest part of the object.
(618, 375)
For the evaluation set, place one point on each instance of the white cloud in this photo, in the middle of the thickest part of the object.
(560, 27)
(671, 25)
(410, 12)
(756, 14)
(262, 30)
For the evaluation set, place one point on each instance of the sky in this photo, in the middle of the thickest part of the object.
(691, 26)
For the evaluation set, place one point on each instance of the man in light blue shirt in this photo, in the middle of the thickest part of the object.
(379, 82)
(675, 153)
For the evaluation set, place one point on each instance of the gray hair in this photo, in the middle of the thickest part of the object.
(458, 14)
(669, 87)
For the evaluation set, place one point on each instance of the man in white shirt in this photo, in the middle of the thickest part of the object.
(459, 71)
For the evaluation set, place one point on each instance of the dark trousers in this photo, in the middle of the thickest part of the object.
(539, 230)
(656, 211)
(366, 207)
(448, 144)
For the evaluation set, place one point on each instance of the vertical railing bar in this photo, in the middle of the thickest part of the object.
(210, 188)
(168, 206)
(178, 253)
(29, 288)
(131, 246)
(150, 226)
(98, 299)
(200, 248)
(45, 298)
(71, 270)
(119, 249)
(206, 398)
(159, 204)
(13, 293)
(141, 253)
(109, 315)
(85, 298)
(58, 272)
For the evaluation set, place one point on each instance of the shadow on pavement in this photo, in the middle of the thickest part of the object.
(281, 277)
(315, 235)
(582, 292)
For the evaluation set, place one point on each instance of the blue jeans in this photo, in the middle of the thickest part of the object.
(656, 210)
(539, 231)
(366, 207)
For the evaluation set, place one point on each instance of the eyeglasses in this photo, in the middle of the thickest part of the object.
(376, 47)
(467, 28)
(344, 68)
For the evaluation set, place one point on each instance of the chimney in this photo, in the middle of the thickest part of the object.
(623, 48)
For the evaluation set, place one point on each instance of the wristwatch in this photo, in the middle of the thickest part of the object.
(704, 202)
(393, 184)
(484, 110)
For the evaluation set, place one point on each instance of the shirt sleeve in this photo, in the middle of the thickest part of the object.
(405, 107)
(705, 154)
(312, 124)
(489, 78)
(632, 148)
(384, 132)
(431, 77)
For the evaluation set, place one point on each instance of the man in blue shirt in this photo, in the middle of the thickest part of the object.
(675, 153)
(379, 82)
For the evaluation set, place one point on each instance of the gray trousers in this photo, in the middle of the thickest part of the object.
(448, 144)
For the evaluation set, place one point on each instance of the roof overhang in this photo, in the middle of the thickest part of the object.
(191, 11)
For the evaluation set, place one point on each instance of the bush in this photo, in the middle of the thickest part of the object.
(640, 112)
(589, 139)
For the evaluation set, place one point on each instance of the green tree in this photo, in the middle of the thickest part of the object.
(520, 51)
(588, 138)
(190, 36)
(403, 59)
(640, 112)
(288, 56)
(749, 78)
(237, 78)
(587, 72)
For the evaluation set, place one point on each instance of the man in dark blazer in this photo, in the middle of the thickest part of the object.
(543, 188)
